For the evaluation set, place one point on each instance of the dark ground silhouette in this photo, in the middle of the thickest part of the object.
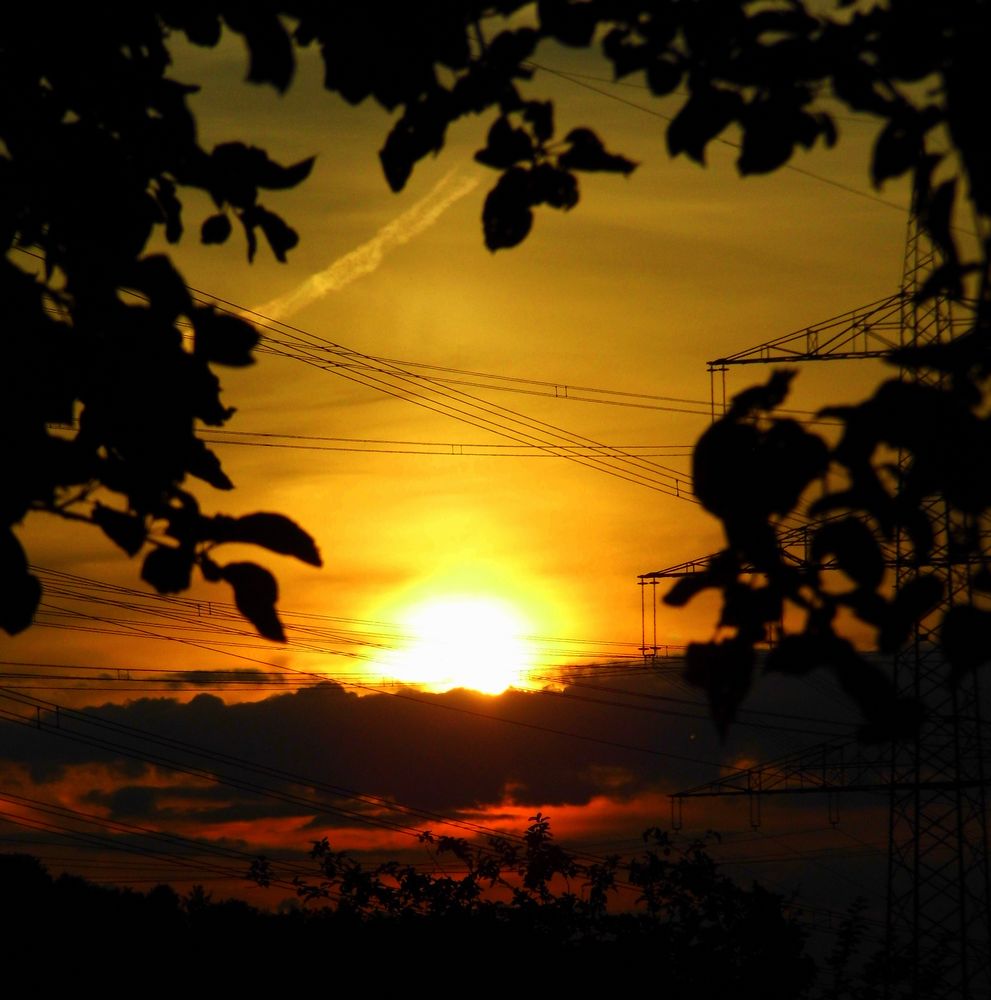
(696, 932)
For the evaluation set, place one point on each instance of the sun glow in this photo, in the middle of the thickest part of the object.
(470, 642)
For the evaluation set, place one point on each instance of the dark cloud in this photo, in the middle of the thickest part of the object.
(211, 805)
(445, 753)
(205, 678)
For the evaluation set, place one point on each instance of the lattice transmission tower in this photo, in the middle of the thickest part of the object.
(938, 906)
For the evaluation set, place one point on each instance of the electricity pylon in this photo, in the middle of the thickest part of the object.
(938, 879)
(938, 912)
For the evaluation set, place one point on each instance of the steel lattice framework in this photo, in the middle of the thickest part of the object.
(938, 939)
(938, 881)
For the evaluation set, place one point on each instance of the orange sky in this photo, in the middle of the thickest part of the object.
(635, 289)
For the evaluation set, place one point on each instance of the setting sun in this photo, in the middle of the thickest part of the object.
(471, 642)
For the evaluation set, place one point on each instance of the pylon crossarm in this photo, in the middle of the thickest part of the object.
(870, 331)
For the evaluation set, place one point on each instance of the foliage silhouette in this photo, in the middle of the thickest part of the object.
(707, 933)
(98, 146)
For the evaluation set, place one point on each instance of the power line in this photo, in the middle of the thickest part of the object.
(224, 617)
(313, 442)
(681, 92)
(157, 848)
(559, 390)
(301, 345)
(437, 705)
(779, 725)
(849, 188)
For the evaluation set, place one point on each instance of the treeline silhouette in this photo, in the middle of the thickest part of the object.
(528, 912)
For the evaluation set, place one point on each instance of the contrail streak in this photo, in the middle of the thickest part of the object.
(367, 257)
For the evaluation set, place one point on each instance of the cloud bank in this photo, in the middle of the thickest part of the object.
(453, 753)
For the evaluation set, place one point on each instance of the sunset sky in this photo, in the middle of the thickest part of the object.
(475, 564)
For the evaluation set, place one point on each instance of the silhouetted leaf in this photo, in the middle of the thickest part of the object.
(216, 229)
(255, 594)
(763, 397)
(944, 280)
(249, 235)
(161, 282)
(274, 176)
(664, 74)
(937, 216)
(397, 158)
(768, 142)
(202, 463)
(966, 638)
(855, 548)
(21, 597)
(553, 186)
(260, 871)
(703, 116)
(686, 588)
(540, 114)
(790, 459)
(224, 339)
(268, 44)
(236, 171)
(211, 571)
(913, 601)
(20, 591)
(626, 56)
(922, 178)
(965, 352)
(171, 209)
(723, 458)
(856, 83)
(202, 27)
(168, 569)
(203, 394)
(721, 571)
(510, 48)
(723, 670)
(506, 145)
(587, 153)
(125, 530)
(233, 167)
(281, 238)
(750, 534)
(869, 606)
(573, 24)
(896, 151)
(506, 215)
(749, 608)
(273, 531)
(866, 495)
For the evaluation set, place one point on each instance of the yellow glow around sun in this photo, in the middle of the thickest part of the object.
(470, 642)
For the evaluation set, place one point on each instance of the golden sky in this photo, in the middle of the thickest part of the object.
(636, 288)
